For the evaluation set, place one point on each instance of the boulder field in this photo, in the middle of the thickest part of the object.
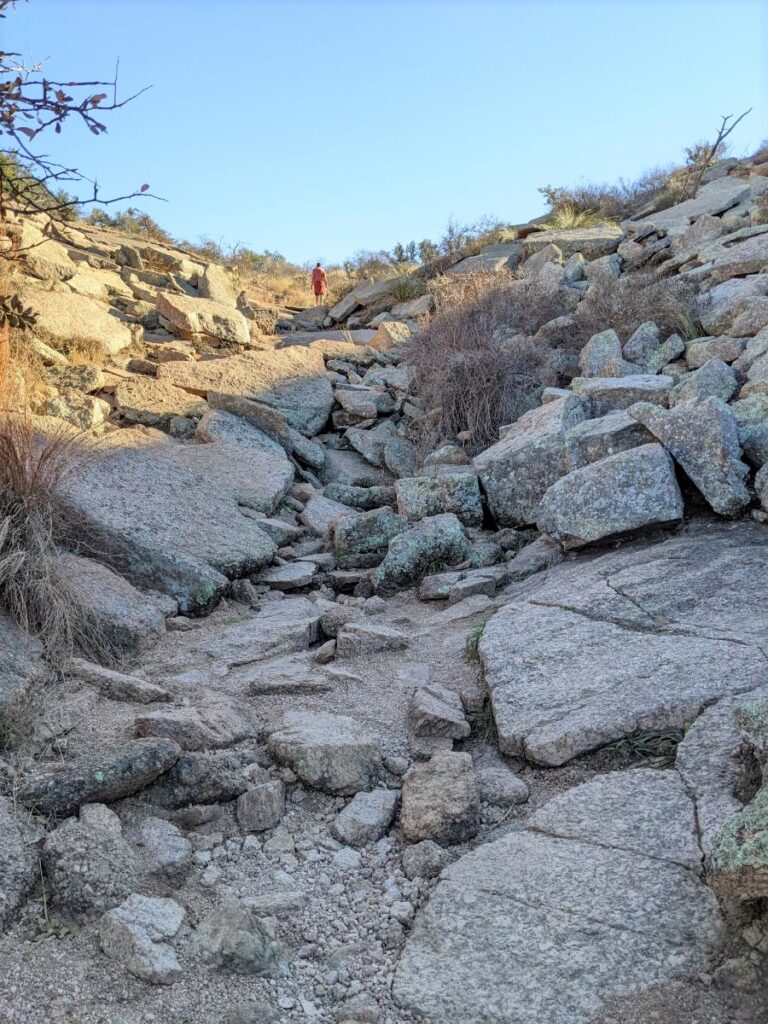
(388, 735)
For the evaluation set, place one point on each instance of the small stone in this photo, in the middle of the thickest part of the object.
(424, 860)
(234, 939)
(134, 934)
(366, 817)
(261, 806)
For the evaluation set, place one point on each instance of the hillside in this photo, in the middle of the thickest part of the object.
(398, 660)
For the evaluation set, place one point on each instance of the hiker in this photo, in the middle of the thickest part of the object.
(319, 283)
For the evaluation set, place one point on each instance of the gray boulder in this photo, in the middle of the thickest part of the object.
(290, 380)
(715, 378)
(99, 775)
(361, 539)
(168, 516)
(164, 851)
(538, 927)
(190, 317)
(419, 497)
(329, 752)
(19, 868)
(425, 859)
(707, 765)
(593, 440)
(602, 357)
(703, 438)
(21, 662)
(700, 351)
(226, 427)
(205, 727)
(366, 817)
(415, 552)
(136, 935)
(646, 348)
(608, 393)
(233, 938)
(593, 242)
(751, 415)
(90, 866)
(638, 639)
(624, 492)
(262, 805)
(531, 455)
(124, 620)
(440, 800)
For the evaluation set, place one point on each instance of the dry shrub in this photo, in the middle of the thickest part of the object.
(626, 302)
(762, 209)
(476, 365)
(81, 350)
(34, 589)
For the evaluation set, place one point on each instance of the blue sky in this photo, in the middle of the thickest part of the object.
(320, 128)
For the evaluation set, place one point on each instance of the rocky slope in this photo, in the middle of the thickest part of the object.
(394, 737)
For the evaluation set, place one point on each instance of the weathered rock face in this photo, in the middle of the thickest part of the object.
(517, 470)
(137, 934)
(418, 497)
(233, 938)
(19, 869)
(290, 380)
(590, 242)
(608, 393)
(740, 857)
(706, 763)
(90, 865)
(331, 752)
(638, 639)
(100, 775)
(154, 402)
(415, 552)
(189, 317)
(127, 620)
(366, 817)
(596, 439)
(703, 438)
(65, 319)
(624, 492)
(168, 515)
(21, 661)
(539, 927)
(440, 800)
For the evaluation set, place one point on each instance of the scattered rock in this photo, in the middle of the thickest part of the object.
(624, 492)
(440, 800)
(330, 752)
(135, 935)
(234, 939)
(366, 817)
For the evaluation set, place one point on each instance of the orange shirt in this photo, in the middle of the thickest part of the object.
(318, 280)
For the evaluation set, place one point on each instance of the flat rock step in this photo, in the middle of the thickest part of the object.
(537, 927)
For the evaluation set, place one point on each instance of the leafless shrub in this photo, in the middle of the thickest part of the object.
(476, 365)
(34, 588)
(666, 186)
(626, 302)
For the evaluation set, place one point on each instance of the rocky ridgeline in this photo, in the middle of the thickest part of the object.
(296, 796)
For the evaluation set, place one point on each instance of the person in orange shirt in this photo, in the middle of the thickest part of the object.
(319, 284)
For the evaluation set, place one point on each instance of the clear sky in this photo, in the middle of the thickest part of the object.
(322, 127)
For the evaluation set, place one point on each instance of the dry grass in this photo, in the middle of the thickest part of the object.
(476, 365)
(569, 216)
(762, 208)
(627, 302)
(80, 351)
(34, 589)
